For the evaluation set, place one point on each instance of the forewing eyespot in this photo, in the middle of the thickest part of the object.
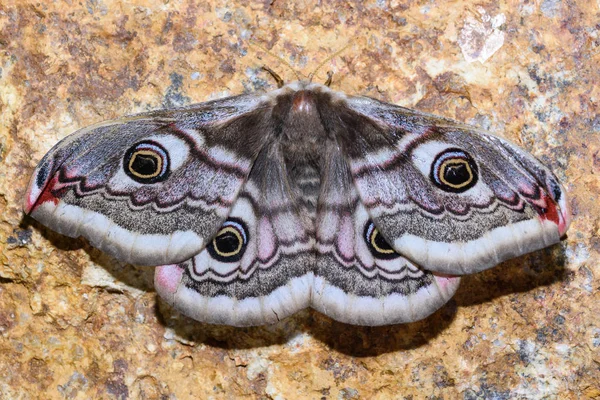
(146, 162)
(377, 244)
(230, 242)
(454, 170)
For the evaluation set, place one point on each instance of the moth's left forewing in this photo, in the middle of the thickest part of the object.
(451, 197)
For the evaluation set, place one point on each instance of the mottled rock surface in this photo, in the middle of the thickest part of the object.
(76, 324)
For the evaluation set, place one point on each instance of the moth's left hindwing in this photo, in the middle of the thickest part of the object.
(150, 189)
(258, 268)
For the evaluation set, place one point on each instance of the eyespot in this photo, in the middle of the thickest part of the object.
(146, 162)
(377, 244)
(454, 170)
(230, 242)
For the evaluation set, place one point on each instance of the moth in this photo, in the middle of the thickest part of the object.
(256, 206)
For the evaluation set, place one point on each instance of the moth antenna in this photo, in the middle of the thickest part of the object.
(284, 62)
(329, 78)
(337, 53)
(275, 76)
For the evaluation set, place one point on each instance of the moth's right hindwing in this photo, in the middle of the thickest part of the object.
(150, 189)
(359, 278)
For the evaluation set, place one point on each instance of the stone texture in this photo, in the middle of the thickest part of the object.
(76, 324)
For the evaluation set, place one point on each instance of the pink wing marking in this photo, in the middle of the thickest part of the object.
(167, 278)
(346, 238)
(266, 247)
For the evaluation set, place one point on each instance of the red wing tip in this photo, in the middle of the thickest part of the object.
(557, 212)
(37, 194)
(28, 204)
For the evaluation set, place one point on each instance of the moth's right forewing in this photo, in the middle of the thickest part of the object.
(152, 188)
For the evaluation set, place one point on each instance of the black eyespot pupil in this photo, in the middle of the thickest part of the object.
(227, 242)
(381, 243)
(144, 164)
(454, 170)
(230, 243)
(457, 173)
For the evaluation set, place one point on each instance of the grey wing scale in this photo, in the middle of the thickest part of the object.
(152, 188)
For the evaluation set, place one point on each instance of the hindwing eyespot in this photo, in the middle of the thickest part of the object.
(230, 242)
(377, 244)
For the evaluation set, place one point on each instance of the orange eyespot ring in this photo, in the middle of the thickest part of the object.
(146, 162)
(377, 244)
(230, 242)
(454, 170)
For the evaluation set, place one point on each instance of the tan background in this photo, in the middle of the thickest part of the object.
(76, 324)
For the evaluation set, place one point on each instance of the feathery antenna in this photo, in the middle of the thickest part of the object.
(329, 77)
(269, 70)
